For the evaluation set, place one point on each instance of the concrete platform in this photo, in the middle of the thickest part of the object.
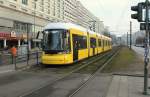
(126, 86)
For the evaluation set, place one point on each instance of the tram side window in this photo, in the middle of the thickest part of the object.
(92, 42)
(82, 41)
(104, 42)
(99, 42)
(107, 43)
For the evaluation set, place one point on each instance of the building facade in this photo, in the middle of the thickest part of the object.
(22, 16)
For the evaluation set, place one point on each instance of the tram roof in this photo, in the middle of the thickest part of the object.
(64, 26)
(91, 32)
(108, 38)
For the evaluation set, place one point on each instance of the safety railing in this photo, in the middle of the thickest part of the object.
(21, 60)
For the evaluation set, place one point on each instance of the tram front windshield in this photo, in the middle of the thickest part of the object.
(56, 41)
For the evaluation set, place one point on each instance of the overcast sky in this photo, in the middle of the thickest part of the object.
(115, 13)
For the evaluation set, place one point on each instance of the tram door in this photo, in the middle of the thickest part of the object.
(93, 44)
(103, 44)
(75, 48)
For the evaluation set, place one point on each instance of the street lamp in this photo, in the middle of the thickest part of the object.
(34, 20)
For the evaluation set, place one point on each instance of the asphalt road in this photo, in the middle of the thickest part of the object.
(14, 84)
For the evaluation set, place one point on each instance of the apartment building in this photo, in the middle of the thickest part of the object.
(17, 17)
(86, 19)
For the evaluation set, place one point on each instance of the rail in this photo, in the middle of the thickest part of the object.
(92, 76)
(38, 90)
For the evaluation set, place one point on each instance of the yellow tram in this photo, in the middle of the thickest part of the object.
(66, 43)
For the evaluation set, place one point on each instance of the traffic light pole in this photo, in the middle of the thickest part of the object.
(130, 34)
(127, 39)
(146, 60)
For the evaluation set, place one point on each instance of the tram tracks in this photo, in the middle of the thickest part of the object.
(84, 84)
(36, 91)
(64, 69)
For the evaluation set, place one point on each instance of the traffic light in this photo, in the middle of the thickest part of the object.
(139, 15)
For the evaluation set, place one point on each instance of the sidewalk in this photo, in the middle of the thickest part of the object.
(11, 67)
(126, 86)
(6, 68)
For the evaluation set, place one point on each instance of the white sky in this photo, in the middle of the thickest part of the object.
(115, 13)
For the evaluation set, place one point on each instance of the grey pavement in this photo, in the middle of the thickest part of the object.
(126, 86)
(6, 68)
(97, 87)
(17, 84)
(120, 86)
(21, 65)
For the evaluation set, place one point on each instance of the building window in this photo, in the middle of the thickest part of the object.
(20, 27)
(25, 2)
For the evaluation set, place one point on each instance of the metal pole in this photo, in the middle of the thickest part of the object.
(37, 56)
(28, 44)
(94, 25)
(146, 60)
(130, 34)
(34, 21)
(15, 62)
(127, 39)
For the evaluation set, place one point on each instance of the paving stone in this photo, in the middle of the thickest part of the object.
(126, 86)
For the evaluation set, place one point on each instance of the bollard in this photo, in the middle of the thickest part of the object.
(37, 55)
(28, 59)
(14, 57)
(0, 59)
